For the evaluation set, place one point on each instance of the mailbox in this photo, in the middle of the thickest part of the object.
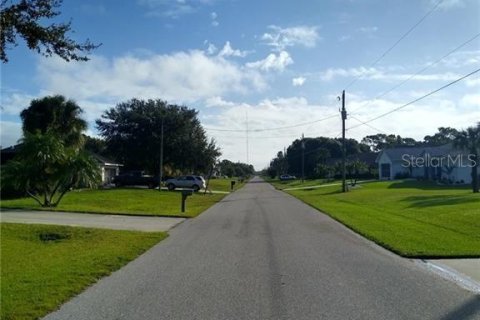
(185, 194)
(232, 183)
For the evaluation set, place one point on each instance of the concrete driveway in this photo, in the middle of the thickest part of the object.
(103, 221)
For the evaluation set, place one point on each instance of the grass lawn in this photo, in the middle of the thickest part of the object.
(223, 184)
(131, 201)
(411, 218)
(39, 273)
(297, 183)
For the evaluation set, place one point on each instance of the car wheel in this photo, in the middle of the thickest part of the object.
(118, 184)
(195, 188)
(171, 186)
(151, 185)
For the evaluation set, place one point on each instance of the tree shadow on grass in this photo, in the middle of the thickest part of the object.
(438, 200)
(426, 185)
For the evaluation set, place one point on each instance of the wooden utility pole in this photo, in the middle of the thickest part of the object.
(344, 148)
(161, 160)
(303, 158)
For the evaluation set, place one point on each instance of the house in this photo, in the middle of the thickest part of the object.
(431, 163)
(108, 168)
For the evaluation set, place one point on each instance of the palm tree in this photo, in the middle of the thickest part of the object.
(469, 140)
(57, 114)
(46, 169)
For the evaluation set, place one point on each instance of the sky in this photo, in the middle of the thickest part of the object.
(275, 68)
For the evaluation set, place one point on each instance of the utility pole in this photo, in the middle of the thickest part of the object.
(344, 149)
(303, 158)
(246, 125)
(161, 159)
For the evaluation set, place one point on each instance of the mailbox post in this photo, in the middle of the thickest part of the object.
(232, 184)
(185, 194)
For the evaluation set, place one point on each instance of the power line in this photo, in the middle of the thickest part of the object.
(417, 73)
(416, 100)
(272, 129)
(368, 125)
(397, 42)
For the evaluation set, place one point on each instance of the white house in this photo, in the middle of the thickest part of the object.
(108, 168)
(430, 163)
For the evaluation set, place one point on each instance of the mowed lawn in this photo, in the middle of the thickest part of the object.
(411, 218)
(223, 184)
(130, 201)
(43, 266)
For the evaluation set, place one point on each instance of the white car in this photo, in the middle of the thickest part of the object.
(286, 177)
(192, 182)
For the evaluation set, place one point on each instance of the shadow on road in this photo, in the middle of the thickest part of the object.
(469, 310)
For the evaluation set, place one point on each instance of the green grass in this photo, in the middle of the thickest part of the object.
(411, 218)
(128, 201)
(297, 183)
(223, 184)
(39, 275)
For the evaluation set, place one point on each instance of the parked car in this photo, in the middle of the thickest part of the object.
(193, 182)
(135, 178)
(286, 177)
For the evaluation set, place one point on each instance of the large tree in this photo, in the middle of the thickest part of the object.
(58, 115)
(26, 19)
(469, 141)
(132, 132)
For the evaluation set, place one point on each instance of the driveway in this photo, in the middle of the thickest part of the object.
(104, 221)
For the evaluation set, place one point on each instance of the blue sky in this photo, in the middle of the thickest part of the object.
(277, 63)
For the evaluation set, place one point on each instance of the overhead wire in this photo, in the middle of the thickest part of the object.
(415, 100)
(369, 102)
(397, 42)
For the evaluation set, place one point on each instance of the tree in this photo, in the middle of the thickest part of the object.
(132, 132)
(46, 169)
(443, 136)
(354, 169)
(469, 140)
(24, 19)
(58, 115)
(380, 141)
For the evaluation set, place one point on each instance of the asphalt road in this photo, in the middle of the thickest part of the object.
(262, 254)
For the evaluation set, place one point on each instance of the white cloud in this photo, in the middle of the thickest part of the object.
(14, 103)
(10, 132)
(265, 114)
(471, 101)
(344, 38)
(228, 51)
(173, 8)
(298, 82)
(281, 38)
(211, 49)
(381, 74)
(218, 102)
(181, 76)
(272, 62)
(368, 30)
(213, 17)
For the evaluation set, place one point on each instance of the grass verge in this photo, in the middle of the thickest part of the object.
(412, 218)
(43, 266)
(129, 201)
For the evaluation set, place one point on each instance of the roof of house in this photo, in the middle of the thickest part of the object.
(105, 161)
(396, 154)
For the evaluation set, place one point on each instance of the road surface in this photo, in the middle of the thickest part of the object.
(262, 254)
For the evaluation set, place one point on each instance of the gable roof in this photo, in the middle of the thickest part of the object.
(396, 154)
